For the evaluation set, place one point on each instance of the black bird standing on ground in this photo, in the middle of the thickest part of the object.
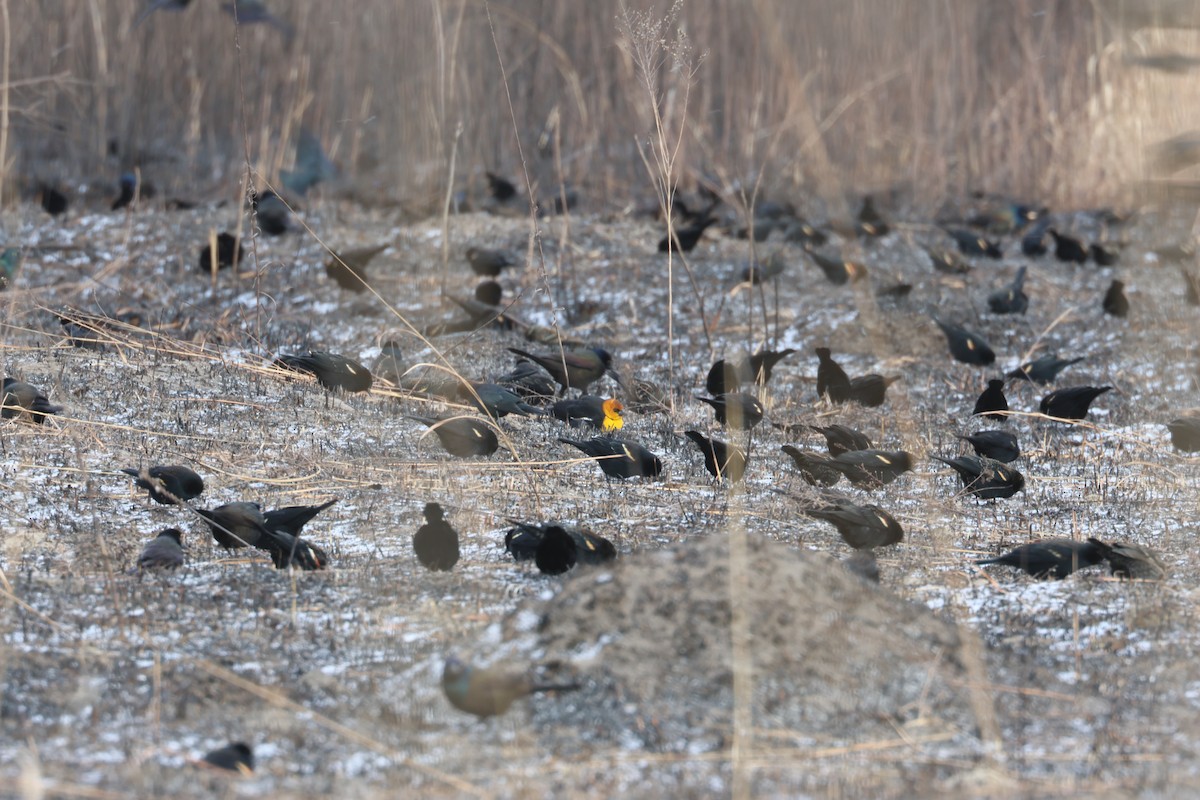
(1033, 242)
(1071, 403)
(997, 445)
(871, 390)
(813, 467)
(687, 237)
(619, 458)
(872, 467)
(288, 550)
(236, 525)
(487, 692)
(838, 271)
(985, 478)
(757, 368)
(862, 527)
(331, 370)
(1185, 433)
(967, 347)
(870, 221)
(164, 551)
(435, 542)
(1103, 256)
(573, 368)
(721, 459)
(1044, 369)
(1050, 557)
(992, 400)
(489, 263)
(461, 436)
(501, 188)
(229, 249)
(179, 481)
(1131, 560)
(53, 201)
(19, 399)
(1012, 298)
(272, 213)
(128, 185)
(236, 757)
(737, 410)
(972, 244)
(1067, 248)
(841, 439)
(524, 540)
(832, 380)
(1115, 302)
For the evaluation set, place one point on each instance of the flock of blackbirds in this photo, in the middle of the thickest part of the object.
(540, 385)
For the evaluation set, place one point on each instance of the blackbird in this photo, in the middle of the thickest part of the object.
(588, 408)
(870, 221)
(127, 185)
(291, 519)
(289, 550)
(272, 214)
(832, 380)
(871, 390)
(619, 458)
(722, 377)
(349, 268)
(801, 231)
(528, 382)
(501, 188)
(229, 252)
(236, 757)
(164, 551)
(1072, 403)
(236, 525)
(1050, 557)
(1044, 369)
(840, 439)
(1131, 560)
(1033, 241)
(814, 468)
(838, 271)
(489, 263)
(687, 237)
(1185, 433)
(971, 243)
(872, 467)
(1102, 255)
(312, 166)
(997, 445)
(461, 436)
(991, 401)
(948, 261)
(489, 691)
(757, 367)
(737, 410)
(522, 542)
(168, 484)
(1115, 302)
(496, 401)
(390, 365)
(53, 201)
(721, 459)
(1011, 299)
(435, 542)
(330, 369)
(1067, 248)
(985, 478)
(967, 347)
(573, 368)
(22, 400)
(862, 527)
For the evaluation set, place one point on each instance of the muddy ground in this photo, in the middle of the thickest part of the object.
(725, 652)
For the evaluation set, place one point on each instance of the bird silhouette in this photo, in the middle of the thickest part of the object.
(524, 540)
(163, 552)
(971, 243)
(737, 410)
(52, 200)
(721, 459)
(435, 542)
(1068, 248)
(348, 268)
(573, 368)
(20, 400)
(127, 187)
(1050, 557)
(965, 346)
(229, 252)
(235, 525)
(619, 458)
(686, 237)
(1071, 403)
(862, 527)
(813, 467)
(1012, 298)
(841, 439)
(331, 370)
(312, 166)
(997, 445)
(1044, 369)
(273, 216)
(501, 188)
(1115, 302)
(872, 467)
(832, 380)
(168, 484)
(871, 390)
(488, 692)
(236, 757)
(289, 550)
(985, 478)
(461, 436)
(838, 270)
(991, 401)
(489, 263)
(497, 401)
